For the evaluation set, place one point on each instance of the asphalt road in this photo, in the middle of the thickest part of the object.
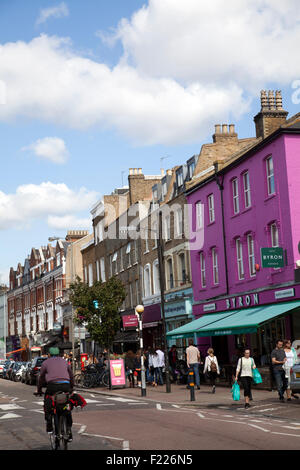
(115, 423)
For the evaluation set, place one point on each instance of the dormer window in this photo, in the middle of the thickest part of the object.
(179, 178)
(154, 194)
(164, 188)
(191, 168)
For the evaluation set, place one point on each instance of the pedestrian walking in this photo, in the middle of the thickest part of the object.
(161, 364)
(193, 360)
(244, 369)
(130, 367)
(278, 361)
(173, 360)
(138, 367)
(154, 367)
(291, 356)
(211, 367)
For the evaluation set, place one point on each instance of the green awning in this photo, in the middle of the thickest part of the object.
(242, 321)
(188, 330)
(247, 320)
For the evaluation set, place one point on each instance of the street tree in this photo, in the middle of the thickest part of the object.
(97, 308)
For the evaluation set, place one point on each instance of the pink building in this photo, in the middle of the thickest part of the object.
(244, 201)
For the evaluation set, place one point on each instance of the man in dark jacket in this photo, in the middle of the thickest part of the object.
(58, 376)
(172, 360)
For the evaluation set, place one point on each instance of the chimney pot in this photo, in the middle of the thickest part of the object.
(217, 128)
(271, 100)
(224, 128)
(231, 128)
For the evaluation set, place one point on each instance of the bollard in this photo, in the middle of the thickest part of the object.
(191, 383)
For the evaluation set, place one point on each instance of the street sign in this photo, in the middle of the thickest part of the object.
(57, 328)
(272, 257)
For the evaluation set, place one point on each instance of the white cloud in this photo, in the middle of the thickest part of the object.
(68, 222)
(186, 66)
(50, 148)
(58, 11)
(36, 202)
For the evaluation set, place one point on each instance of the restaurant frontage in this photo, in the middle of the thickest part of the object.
(253, 323)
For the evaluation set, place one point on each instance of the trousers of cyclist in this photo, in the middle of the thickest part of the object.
(58, 376)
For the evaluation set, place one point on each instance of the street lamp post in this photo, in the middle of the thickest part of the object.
(160, 249)
(139, 309)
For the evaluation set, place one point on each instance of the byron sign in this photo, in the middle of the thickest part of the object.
(272, 257)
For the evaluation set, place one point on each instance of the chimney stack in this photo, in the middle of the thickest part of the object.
(272, 115)
(222, 135)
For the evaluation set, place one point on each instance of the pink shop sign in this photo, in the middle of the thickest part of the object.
(130, 321)
(117, 373)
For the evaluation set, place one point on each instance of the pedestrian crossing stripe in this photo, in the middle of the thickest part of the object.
(10, 416)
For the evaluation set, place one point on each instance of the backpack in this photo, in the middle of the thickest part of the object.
(213, 366)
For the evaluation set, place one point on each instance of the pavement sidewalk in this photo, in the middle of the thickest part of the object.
(180, 395)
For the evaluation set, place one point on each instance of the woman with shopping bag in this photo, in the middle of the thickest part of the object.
(244, 372)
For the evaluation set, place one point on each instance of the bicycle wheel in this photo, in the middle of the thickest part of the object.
(63, 431)
(78, 380)
(87, 381)
(105, 379)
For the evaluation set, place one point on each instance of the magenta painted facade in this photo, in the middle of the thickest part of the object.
(267, 214)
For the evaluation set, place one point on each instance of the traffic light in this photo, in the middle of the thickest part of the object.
(96, 303)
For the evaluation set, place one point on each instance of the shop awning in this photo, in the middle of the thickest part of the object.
(242, 321)
(247, 320)
(189, 329)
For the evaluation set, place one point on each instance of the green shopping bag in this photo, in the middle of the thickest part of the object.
(236, 393)
(256, 376)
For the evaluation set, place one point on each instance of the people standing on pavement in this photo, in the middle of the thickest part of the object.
(193, 360)
(148, 367)
(130, 367)
(244, 372)
(173, 360)
(154, 366)
(278, 361)
(211, 366)
(161, 364)
(291, 356)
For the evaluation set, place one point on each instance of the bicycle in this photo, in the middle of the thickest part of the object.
(59, 437)
(92, 376)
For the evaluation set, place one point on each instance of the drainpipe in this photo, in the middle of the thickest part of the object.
(220, 182)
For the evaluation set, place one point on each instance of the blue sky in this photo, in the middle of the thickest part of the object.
(93, 88)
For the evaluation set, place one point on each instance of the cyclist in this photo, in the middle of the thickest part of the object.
(57, 374)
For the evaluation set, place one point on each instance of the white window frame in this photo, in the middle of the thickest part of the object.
(211, 208)
(156, 283)
(90, 269)
(102, 269)
(270, 175)
(169, 263)
(235, 196)
(274, 235)
(202, 270)
(167, 226)
(147, 281)
(251, 255)
(178, 222)
(247, 191)
(239, 259)
(179, 178)
(199, 215)
(215, 266)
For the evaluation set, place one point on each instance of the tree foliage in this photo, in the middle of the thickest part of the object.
(104, 322)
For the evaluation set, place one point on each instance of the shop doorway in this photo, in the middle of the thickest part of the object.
(220, 347)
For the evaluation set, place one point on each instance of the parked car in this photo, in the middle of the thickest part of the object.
(5, 368)
(24, 370)
(295, 378)
(34, 369)
(16, 366)
(9, 370)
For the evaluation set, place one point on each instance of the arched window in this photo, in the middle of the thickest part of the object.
(147, 281)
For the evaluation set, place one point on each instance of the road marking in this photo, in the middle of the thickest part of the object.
(258, 427)
(296, 424)
(82, 429)
(126, 445)
(88, 400)
(38, 403)
(268, 409)
(158, 406)
(291, 427)
(124, 400)
(38, 411)
(201, 415)
(10, 416)
(106, 404)
(11, 407)
(139, 403)
(285, 434)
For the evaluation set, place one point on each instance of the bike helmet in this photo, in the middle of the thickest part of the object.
(54, 351)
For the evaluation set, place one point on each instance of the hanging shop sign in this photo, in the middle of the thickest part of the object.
(272, 257)
(130, 321)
